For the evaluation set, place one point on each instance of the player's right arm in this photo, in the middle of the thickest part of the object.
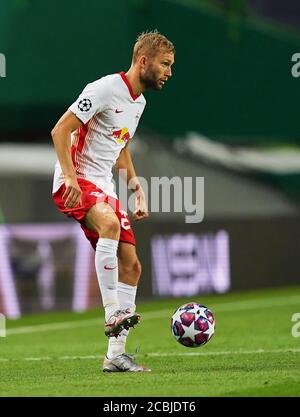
(61, 136)
(93, 99)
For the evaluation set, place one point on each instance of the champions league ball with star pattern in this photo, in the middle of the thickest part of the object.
(193, 325)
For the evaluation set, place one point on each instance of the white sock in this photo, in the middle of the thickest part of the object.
(106, 263)
(126, 295)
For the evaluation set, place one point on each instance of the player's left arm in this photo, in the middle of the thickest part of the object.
(124, 162)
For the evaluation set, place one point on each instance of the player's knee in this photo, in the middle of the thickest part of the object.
(109, 228)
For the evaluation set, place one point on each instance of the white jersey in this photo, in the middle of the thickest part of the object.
(110, 114)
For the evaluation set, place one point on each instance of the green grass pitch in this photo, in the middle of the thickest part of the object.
(253, 352)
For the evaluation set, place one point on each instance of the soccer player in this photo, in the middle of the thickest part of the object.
(90, 139)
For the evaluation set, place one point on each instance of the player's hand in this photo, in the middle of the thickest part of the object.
(72, 194)
(141, 211)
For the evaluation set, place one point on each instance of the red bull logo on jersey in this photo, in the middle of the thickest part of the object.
(121, 135)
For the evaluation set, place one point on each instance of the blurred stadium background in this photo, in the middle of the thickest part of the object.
(230, 114)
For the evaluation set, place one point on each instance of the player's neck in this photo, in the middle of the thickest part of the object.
(134, 80)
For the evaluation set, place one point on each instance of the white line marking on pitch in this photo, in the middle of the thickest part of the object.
(217, 308)
(54, 326)
(95, 357)
(237, 352)
(45, 358)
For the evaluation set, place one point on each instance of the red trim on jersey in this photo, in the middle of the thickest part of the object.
(126, 81)
(73, 151)
(79, 145)
(83, 129)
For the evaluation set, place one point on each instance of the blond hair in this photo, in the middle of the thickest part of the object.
(150, 43)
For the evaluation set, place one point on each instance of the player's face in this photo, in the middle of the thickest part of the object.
(157, 70)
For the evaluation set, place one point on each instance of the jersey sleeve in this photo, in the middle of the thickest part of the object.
(93, 99)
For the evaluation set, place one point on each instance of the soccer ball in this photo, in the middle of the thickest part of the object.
(193, 324)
